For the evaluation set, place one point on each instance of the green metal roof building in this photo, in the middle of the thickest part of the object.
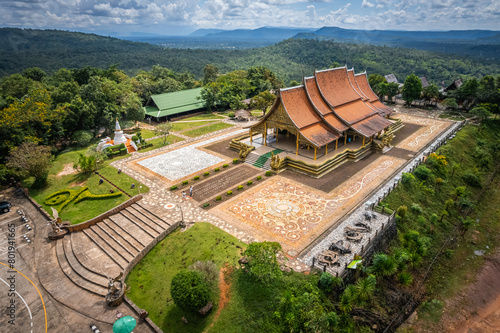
(174, 103)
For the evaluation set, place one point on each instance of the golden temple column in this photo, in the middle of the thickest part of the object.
(345, 139)
(336, 143)
(250, 137)
(315, 153)
(363, 141)
(297, 151)
(371, 139)
(276, 131)
(326, 149)
(265, 134)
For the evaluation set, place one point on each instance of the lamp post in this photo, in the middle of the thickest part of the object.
(170, 206)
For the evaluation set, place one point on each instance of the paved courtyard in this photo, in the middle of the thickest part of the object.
(292, 209)
(182, 162)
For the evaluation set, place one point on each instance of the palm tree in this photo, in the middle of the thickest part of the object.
(366, 287)
(347, 299)
(384, 264)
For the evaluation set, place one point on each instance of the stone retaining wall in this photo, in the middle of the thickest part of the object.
(136, 260)
(103, 216)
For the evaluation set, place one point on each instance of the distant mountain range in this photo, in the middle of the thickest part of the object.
(478, 43)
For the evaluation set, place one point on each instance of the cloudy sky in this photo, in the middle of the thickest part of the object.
(177, 17)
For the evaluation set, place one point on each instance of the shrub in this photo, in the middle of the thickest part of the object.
(185, 182)
(401, 211)
(472, 179)
(423, 172)
(325, 282)
(231, 115)
(269, 173)
(209, 271)
(206, 173)
(217, 169)
(174, 187)
(240, 187)
(135, 138)
(259, 177)
(236, 161)
(189, 291)
(206, 204)
(86, 195)
(415, 208)
(229, 192)
(407, 178)
(421, 220)
(121, 146)
(225, 165)
(405, 279)
(249, 182)
(217, 198)
(196, 177)
(82, 137)
(123, 150)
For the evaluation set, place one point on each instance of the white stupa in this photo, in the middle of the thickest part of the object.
(119, 137)
(117, 140)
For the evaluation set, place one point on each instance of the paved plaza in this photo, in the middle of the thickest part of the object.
(183, 162)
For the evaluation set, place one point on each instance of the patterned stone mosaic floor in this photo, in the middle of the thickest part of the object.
(294, 214)
(182, 162)
(431, 129)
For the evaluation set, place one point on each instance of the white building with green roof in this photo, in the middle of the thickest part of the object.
(175, 103)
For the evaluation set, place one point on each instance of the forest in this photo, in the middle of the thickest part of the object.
(291, 59)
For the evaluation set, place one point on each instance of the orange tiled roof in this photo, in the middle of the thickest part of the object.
(298, 107)
(371, 125)
(364, 86)
(335, 87)
(330, 103)
(320, 105)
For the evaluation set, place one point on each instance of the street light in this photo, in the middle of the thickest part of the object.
(170, 206)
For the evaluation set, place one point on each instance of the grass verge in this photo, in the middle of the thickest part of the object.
(158, 143)
(177, 127)
(207, 129)
(150, 280)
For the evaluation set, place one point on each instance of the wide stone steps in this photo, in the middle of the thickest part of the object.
(150, 215)
(76, 278)
(146, 228)
(118, 239)
(132, 228)
(120, 259)
(149, 226)
(258, 161)
(116, 230)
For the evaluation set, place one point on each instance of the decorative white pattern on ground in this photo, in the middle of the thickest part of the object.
(184, 161)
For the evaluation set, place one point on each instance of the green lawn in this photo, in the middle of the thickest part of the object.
(87, 209)
(207, 129)
(145, 133)
(177, 127)
(205, 116)
(150, 280)
(158, 143)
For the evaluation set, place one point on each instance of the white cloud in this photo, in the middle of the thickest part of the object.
(135, 15)
(366, 3)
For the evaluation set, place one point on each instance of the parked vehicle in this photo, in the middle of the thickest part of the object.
(94, 328)
(5, 206)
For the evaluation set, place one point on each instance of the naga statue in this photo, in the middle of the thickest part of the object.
(277, 162)
(386, 140)
(245, 150)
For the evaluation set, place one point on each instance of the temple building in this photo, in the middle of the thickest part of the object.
(332, 117)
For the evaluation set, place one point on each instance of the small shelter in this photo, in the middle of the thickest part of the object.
(424, 81)
(175, 103)
(454, 85)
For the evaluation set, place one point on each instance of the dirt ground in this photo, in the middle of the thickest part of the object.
(480, 303)
(67, 170)
(222, 147)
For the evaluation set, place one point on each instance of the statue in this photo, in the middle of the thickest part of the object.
(386, 140)
(114, 297)
(112, 283)
(244, 150)
(277, 162)
(56, 223)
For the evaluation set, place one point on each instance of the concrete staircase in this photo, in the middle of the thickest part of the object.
(89, 256)
(261, 161)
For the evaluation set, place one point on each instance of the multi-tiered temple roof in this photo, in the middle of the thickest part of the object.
(328, 106)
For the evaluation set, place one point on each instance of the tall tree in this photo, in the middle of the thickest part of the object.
(163, 131)
(30, 159)
(412, 89)
(263, 100)
(263, 261)
(210, 73)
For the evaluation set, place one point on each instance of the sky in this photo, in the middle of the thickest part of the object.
(180, 17)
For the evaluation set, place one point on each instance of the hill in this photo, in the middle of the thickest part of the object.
(290, 59)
